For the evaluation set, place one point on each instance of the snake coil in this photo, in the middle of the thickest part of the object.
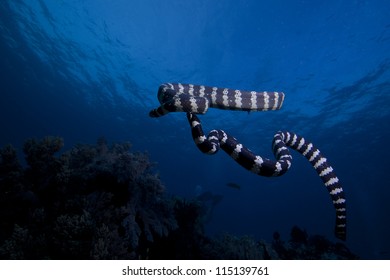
(194, 99)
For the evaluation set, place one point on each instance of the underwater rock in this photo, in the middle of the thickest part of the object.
(302, 246)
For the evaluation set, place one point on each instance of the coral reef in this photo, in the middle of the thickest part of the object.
(91, 202)
(104, 202)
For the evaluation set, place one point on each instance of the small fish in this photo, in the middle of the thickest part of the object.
(233, 185)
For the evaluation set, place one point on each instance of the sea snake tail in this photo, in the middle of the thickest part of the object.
(270, 168)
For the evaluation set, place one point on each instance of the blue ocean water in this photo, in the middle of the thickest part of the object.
(91, 68)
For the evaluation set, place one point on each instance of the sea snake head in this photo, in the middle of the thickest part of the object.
(181, 103)
(165, 94)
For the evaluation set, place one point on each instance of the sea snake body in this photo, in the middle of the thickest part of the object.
(197, 99)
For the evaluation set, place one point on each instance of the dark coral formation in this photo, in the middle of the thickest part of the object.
(104, 202)
(92, 202)
(301, 246)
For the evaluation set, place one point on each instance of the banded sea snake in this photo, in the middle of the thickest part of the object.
(195, 99)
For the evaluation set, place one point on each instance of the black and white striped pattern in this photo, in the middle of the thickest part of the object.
(198, 99)
(266, 167)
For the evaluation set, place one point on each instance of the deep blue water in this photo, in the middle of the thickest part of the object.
(82, 69)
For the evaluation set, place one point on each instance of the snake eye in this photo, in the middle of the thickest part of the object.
(165, 94)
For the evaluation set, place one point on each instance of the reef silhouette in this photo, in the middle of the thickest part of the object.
(106, 202)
